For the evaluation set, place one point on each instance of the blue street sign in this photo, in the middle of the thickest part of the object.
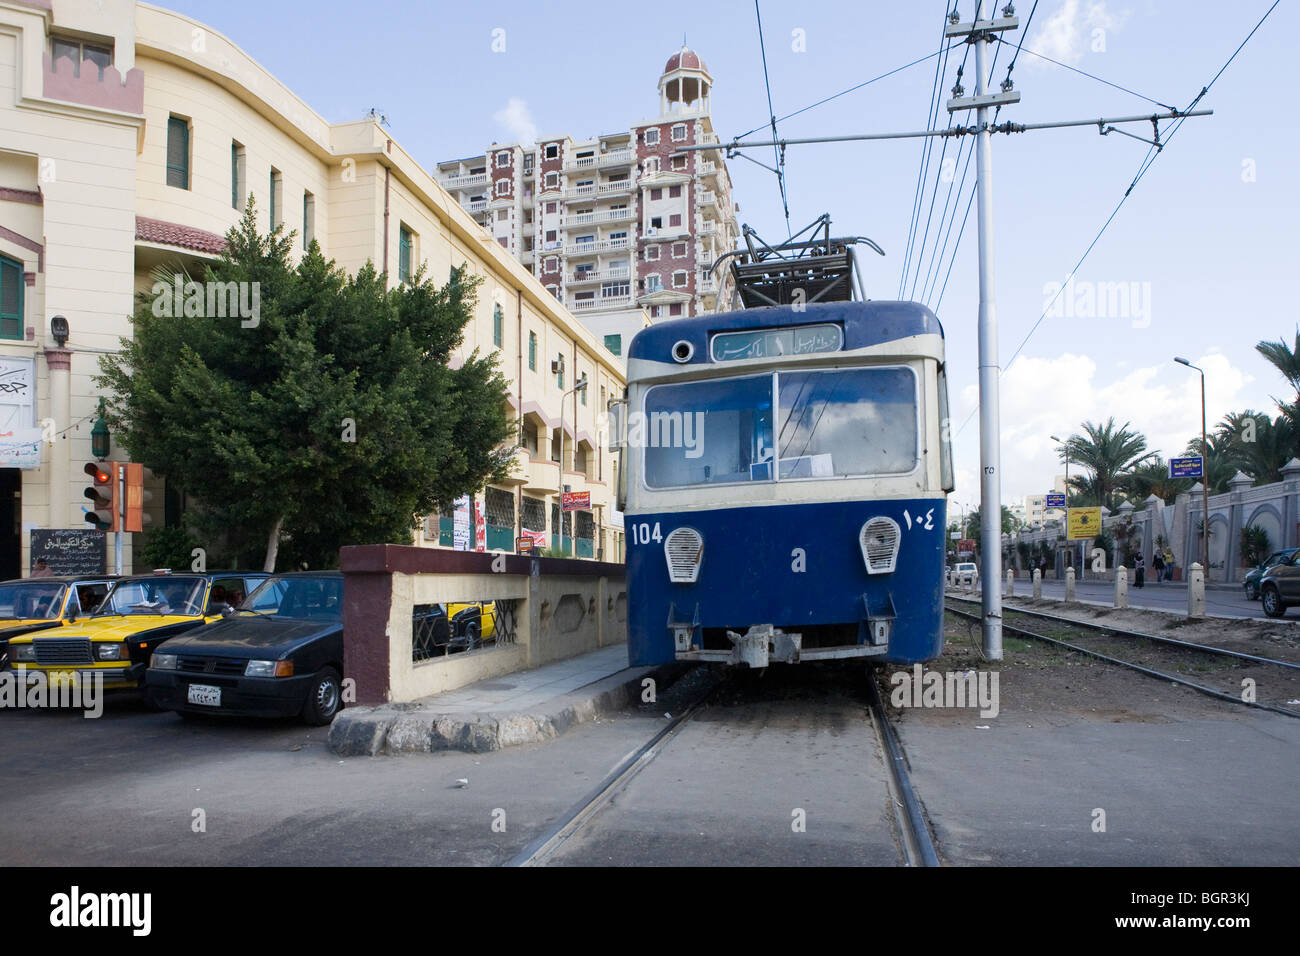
(1186, 467)
(1054, 500)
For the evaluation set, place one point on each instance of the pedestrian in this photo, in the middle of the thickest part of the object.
(42, 569)
(1158, 565)
(1139, 571)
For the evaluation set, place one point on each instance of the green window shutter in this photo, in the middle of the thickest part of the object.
(178, 153)
(234, 176)
(271, 221)
(404, 256)
(498, 326)
(532, 351)
(11, 299)
(615, 344)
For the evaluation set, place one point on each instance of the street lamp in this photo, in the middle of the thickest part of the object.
(578, 386)
(1066, 448)
(1205, 475)
(100, 439)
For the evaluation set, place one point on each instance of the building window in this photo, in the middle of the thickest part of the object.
(675, 219)
(652, 165)
(498, 326)
(675, 309)
(678, 163)
(656, 222)
(503, 187)
(551, 207)
(656, 311)
(679, 280)
(503, 159)
(238, 174)
(532, 351)
(559, 375)
(679, 132)
(11, 299)
(651, 253)
(674, 192)
(505, 243)
(552, 264)
(308, 219)
(554, 290)
(503, 215)
(679, 250)
(553, 151)
(653, 283)
(615, 344)
(656, 195)
(277, 206)
(178, 152)
(552, 180)
(652, 137)
(404, 255)
(76, 51)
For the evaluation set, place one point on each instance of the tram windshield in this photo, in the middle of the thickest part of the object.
(824, 424)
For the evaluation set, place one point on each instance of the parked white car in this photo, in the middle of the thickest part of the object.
(963, 573)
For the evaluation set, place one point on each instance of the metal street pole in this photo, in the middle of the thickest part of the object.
(578, 386)
(990, 471)
(119, 478)
(1065, 448)
(1205, 477)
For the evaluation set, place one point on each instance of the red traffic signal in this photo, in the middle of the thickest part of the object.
(102, 516)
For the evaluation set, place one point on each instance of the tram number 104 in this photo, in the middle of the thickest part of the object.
(643, 534)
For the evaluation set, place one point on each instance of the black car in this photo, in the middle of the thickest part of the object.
(279, 654)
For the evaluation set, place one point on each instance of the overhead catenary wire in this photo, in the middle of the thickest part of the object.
(1148, 161)
(778, 151)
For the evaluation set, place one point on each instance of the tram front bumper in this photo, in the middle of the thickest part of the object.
(764, 644)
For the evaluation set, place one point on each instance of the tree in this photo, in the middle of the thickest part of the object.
(1284, 358)
(1220, 461)
(328, 418)
(1258, 444)
(1009, 522)
(1108, 453)
(1152, 478)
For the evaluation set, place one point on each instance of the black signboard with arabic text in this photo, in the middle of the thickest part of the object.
(70, 550)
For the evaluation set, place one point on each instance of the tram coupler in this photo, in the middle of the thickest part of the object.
(763, 644)
(877, 621)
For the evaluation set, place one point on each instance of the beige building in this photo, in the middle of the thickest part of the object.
(618, 225)
(133, 136)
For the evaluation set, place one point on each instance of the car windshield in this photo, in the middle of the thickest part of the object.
(816, 424)
(298, 597)
(28, 601)
(161, 595)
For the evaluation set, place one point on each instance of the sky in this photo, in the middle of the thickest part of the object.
(1203, 250)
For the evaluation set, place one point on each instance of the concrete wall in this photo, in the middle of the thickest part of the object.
(565, 608)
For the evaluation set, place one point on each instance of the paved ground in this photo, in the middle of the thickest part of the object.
(534, 687)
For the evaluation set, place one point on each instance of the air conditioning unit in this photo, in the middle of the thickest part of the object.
(651, 231)
(604, 147)
(557, 365)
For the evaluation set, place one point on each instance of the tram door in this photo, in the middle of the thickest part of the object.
(11, 523)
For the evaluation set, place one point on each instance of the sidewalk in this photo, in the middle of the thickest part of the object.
(524, 707)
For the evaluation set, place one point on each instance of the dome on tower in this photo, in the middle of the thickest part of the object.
(685, 59)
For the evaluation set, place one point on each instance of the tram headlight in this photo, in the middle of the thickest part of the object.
(879, 540)
(684, 550)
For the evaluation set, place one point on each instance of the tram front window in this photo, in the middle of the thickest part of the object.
(833, 423)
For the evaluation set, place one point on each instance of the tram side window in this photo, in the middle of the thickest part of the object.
(850, 422)
(703, 433)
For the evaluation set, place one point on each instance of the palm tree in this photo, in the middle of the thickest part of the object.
(1009, 522)
(1108, 453)
(1221, 461)
(1285, 358)
(1260, 445)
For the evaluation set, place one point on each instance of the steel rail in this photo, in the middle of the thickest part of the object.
(918, 848)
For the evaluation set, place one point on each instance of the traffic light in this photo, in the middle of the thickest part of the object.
(136, 498)
(102, 515)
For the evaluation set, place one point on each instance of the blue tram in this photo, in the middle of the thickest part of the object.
(783, 479)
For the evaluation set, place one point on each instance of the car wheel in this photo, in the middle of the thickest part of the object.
(1273, 605)
(473, 637)
(324, 698)
(1252, 591)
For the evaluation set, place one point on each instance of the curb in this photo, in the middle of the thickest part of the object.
(420, 728)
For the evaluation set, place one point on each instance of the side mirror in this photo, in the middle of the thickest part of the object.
(72, 616)
(227, 611)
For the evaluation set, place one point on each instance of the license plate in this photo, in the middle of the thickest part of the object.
(205, 695)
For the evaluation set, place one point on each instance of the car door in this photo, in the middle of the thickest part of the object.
(1287, 576)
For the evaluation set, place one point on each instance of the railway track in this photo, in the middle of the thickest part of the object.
(1237, 663)
(912, 832)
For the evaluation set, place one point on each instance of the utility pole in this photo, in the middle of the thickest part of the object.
(981, 33)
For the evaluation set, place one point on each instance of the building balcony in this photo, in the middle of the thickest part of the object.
(543, 477)
(467, 181)
(604, 215)
(583, 276)
(617, 157)
(601, 189)
(707, 197)
(527, 256)
(519, 464)
(706, 286)
(708, 168)
(476, 206)
(596, 305)
(707, 228)
(596, 247)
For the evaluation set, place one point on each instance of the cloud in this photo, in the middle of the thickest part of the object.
(1047, 396)
(518, 121)
(1069, 32)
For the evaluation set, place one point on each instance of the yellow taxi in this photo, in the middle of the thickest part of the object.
(39, 604)
(472, 623)
(137, 615)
